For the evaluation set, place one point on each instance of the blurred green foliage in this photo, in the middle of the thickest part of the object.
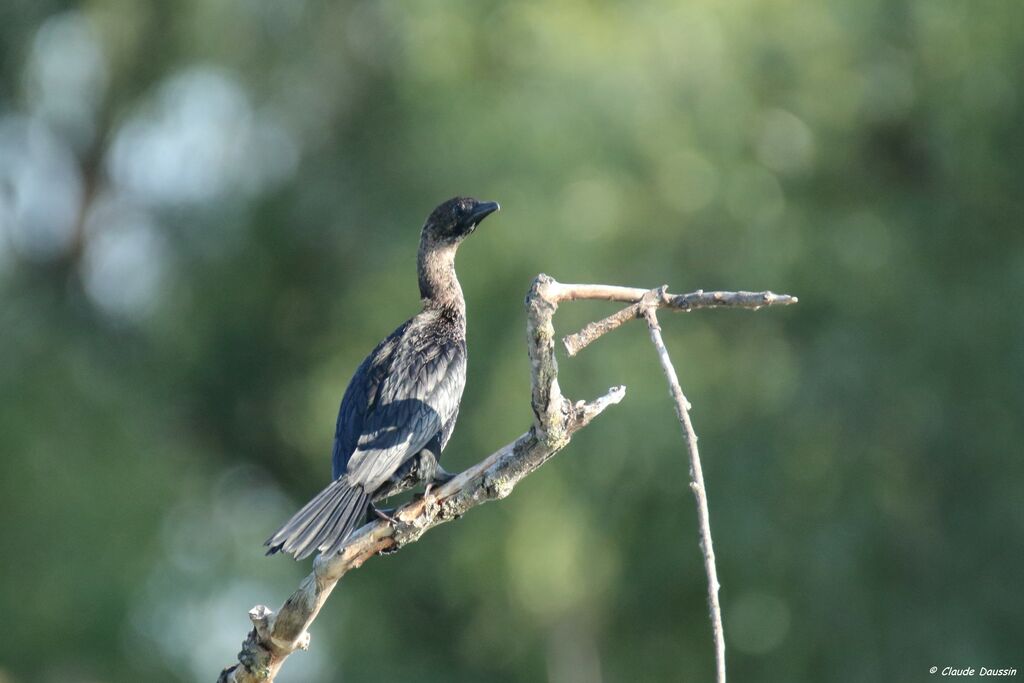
(209, 214)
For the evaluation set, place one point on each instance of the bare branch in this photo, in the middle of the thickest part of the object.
(276, 635)
(696, 479)
(574, 343)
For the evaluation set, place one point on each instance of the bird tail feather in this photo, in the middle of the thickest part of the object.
(324, 522)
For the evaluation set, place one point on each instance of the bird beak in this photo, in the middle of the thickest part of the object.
(482, 211)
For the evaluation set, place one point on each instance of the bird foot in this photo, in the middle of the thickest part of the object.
(384, 513)
(441, 476)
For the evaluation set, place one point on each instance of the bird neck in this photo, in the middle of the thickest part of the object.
(438, 283)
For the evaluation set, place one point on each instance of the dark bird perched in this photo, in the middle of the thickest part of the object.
(400, 405)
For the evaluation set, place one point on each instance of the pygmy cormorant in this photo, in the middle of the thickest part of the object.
(400, 405)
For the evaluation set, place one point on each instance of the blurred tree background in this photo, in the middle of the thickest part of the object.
(209, 213)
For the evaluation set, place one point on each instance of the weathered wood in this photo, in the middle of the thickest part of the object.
(275, 636)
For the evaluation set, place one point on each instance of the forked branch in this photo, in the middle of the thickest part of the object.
(276, 635)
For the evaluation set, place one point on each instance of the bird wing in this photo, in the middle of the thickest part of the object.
(408, 389)
(359, 397)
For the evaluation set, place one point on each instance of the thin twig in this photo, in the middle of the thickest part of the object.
(696, 480)
(574, 343)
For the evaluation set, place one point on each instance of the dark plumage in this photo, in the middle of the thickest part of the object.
(401, 403)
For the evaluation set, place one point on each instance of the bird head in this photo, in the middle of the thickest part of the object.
(456, 219)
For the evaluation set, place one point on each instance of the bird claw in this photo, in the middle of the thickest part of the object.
(385, 514)
(441, 476)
